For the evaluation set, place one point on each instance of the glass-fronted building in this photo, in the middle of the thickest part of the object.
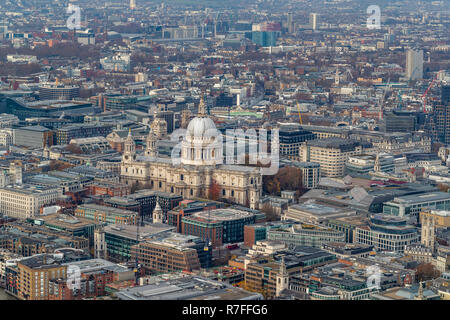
(306, 235)
(47, 108)
(387, 233)
(291, 137)
(361, 165)
(103, 214)
(265, 38)
(218, 226)
(120, 238)
(82, 130)
(411, 205)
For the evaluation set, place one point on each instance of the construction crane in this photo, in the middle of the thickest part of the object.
(388, 85)
(136, 260)
(399, 99)
(299, 114)
(424, 96)
(203, 30)
(215, 24)
(349, 73)
(336, 77)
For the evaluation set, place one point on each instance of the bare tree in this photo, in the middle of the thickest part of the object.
(270, 212)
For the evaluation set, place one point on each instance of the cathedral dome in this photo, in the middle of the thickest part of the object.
(201, 129)
(202, 144)
(199, 126)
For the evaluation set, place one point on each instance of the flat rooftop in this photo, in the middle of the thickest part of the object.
(442, 213)
(150, 193)
(33, 128)
(107, 210)
(177, 239)
(271, 224)
(40, 261)
(29, 189)
(53, 104)
(419, 198)
(346, 246)
(221, 215)
(153, 231)
(65, 221)
(400, 293)
(317, 209)
(91, 264)
(187, 288)
(353, 220)
(335, 143)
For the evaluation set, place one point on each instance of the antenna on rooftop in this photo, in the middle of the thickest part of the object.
(206, 248)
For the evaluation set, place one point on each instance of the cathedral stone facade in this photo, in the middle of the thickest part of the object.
(198, 168)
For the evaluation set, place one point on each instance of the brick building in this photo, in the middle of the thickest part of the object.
(173, 253)
(34, 275)
(110, 189)
(92, 284)
(104, 214)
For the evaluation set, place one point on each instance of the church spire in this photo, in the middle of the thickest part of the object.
(377, 166)
(420, 295)
(282, 278)
(129, 145)
(283, 270)
(151, 149)
(158, 214)
(129, 137)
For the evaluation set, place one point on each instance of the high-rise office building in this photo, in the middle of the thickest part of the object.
(441, 122)
(313, 20)
(167, 115)
(331, 154)
(265, 38)
(218, 226)
(438, 123)
(414, 64)
(290, 22)
(291, 137)
(56, 91)
(387, 233)
(445, 95)
(132, 4)
(400, 121)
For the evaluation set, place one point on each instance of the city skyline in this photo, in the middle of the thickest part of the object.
(256, 150)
